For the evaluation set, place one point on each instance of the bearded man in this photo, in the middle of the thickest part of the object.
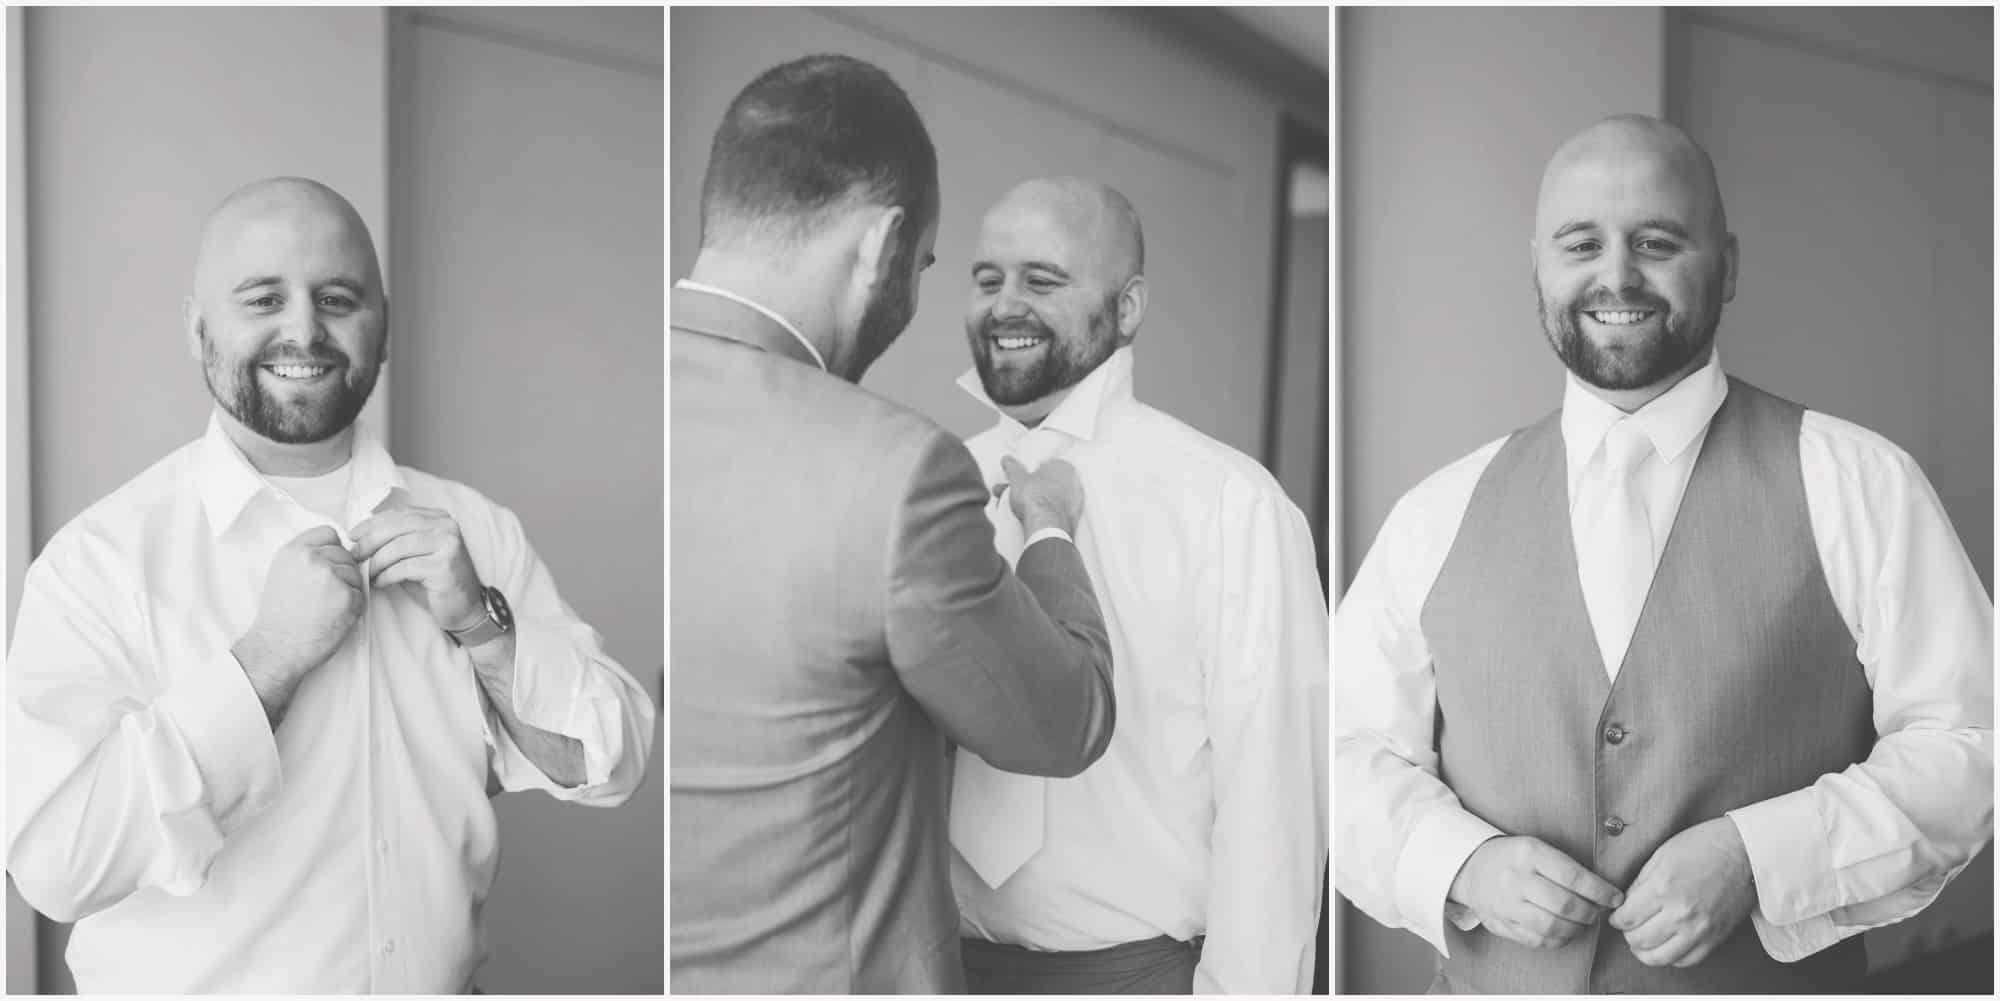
(259, 696)
(1680, 688)
(1191, 858)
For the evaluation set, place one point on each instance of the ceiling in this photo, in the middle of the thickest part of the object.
(1305, 32)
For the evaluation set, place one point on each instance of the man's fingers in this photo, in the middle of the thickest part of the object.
(318, 535)
(371, 535)
(1012, 468)
(1651, 934)
(349, 574)
(1674, 947)
(1636, 910)
(1565, 872)
(1562, 902)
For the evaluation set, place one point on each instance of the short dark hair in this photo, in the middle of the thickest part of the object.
(811, 134)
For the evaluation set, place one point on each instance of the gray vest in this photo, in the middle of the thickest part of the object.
(1741, 684)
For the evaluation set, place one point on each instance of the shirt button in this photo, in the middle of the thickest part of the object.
(382, 845)
(389, 946)
(1614, 826)
(1615, 734)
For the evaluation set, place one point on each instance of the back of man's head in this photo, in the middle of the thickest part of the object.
(807, 138)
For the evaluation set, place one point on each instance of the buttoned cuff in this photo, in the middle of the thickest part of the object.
(1430, 860)
(216, 710)
(1047, 533)
(1789, 857)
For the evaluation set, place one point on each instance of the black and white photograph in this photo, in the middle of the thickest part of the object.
(336, 506)
(998, 428)
(1663, 639)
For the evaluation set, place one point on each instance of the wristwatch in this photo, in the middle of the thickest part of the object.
(499, 621)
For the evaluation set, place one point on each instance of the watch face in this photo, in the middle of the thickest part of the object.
(496, 606)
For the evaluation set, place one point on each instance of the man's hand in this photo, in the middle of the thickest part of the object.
(312, 598)
(421, 546)
(1049, 497)
(1525, 890)
(1689, 896)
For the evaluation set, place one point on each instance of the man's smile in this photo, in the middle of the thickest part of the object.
(1619, 317)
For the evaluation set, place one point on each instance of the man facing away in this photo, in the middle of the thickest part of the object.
(1191, 857)
(838, 607)
(256, 696)
(1679, 655)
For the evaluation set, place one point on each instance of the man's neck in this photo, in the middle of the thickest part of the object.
(787, 287)
(273, 458)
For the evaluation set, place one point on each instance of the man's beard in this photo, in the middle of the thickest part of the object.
(1638, 364)
(303, 421)
(890, 309)
(1064, 362)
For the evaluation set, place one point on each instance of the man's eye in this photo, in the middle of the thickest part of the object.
(1583, 247)
(336, 302)
(264, 301)
(1041, 284)
(988, 285)
(1657, 246)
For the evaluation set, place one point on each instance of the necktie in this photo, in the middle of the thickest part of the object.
(997, 817)
(1615, 551)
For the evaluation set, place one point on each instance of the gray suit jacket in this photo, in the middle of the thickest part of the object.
(838, 613)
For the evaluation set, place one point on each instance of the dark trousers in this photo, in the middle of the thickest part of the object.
(1156, 966)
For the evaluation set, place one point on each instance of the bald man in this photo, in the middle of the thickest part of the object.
(258, 697)
(1190, 858)
(1680, 688)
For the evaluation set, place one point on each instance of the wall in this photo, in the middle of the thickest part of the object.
(20, 945)
(1880, 311)
(1010, 94)
(139, 121)
(1445, 119)
(531, 360)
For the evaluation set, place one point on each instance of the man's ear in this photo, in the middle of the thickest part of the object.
(1131, 309)
(873, 254)
(192, 326)
(1729, 256)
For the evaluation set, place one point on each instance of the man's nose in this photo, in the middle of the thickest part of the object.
(300, 325)
(1009, 304)
(1621, 271)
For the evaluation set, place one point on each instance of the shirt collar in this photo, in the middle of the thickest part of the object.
(1079, 412)
(1673, 420)
(228, 483)
(769, 313)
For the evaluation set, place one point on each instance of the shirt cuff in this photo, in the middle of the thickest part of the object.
(1789, 857)
(218, 712)
(1430, 860)
(1047, 533)
(556, 690)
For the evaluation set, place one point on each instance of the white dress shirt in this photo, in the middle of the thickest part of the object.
(1207, 813)
(149, 801)
(1870, 845)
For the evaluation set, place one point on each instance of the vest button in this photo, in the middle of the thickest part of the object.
(1614, 826)
(1615, 734)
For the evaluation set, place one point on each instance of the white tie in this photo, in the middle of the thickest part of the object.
(1614, 541)
(997, 817)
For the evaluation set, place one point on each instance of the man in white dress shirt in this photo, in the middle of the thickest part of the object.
(1679, 655)
(258, 697)
(1191, 856)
